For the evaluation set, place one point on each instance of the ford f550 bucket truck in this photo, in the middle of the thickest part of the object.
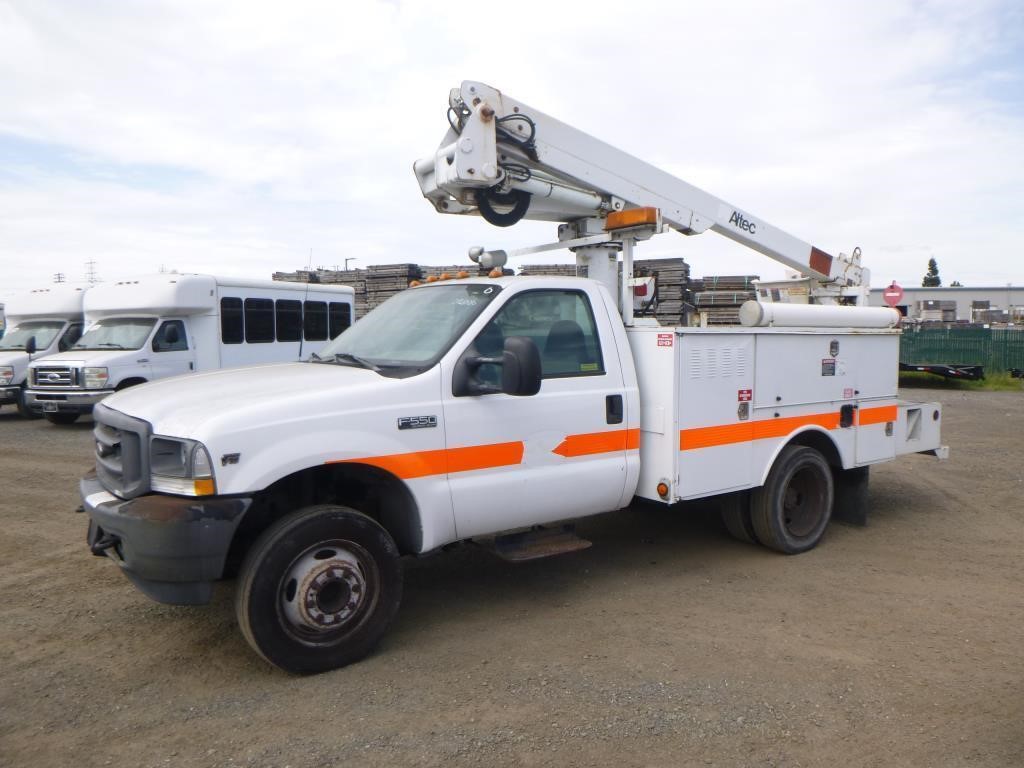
(39, 323)
(486, 409)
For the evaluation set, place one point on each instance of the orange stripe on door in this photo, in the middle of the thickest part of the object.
(425, 463)
(599, 442)
(876, 415)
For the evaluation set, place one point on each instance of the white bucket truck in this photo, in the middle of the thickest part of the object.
(39, 323)
(486, 409)
(169, 324)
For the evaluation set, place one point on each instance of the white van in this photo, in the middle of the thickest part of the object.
(170, 324)
(38, 323)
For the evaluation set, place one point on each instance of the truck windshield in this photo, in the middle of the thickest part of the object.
(412, 330)
(117, 333)
(43, 330)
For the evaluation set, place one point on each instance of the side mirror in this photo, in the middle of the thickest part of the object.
(520, 370)
(520, 367)
(30, 345)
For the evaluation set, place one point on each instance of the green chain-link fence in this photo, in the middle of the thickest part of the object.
(998, 349)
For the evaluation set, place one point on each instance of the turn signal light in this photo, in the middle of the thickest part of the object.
(633, 217)
(663, 490)
(204, 486)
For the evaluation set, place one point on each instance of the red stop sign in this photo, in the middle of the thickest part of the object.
(893, 295)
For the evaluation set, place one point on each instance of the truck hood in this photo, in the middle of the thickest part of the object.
(13, 357)
(218, 402)
(91, 357)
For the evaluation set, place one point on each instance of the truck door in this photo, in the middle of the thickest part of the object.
(171, 354)
(518, 461)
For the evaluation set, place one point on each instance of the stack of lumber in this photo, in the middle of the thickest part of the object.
(718, 297)
(385, 280)
(672, 279)
(559, 270)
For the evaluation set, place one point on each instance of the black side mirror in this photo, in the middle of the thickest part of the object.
(30, 345)
(520, 370)
(521, 367)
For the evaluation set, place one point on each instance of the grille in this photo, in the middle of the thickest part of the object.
(122, 452)
(55, 376)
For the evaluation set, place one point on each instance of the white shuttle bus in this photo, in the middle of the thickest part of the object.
(39, 323)
(171, 324)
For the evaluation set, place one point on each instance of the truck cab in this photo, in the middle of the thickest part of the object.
(41, 323)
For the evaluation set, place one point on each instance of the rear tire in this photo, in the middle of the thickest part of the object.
(61, 418)
(791, 511)
(735, 511)
(318, 589)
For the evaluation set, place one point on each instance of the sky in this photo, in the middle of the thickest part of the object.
(244, 138)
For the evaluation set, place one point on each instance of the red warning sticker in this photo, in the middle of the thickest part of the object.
(665, 339)
(745, 395)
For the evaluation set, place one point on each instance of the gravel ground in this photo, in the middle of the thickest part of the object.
(666, 643)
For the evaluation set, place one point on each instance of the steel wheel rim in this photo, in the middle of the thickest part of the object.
(327, 591)
(803, 501)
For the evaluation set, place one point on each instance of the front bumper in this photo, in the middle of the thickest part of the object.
(9, 395)
(64, 401)
(171, 548)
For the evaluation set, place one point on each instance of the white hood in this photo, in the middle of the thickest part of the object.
(234, 400)
(77, 358)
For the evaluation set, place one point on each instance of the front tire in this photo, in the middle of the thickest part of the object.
(318, 589)
(61, 418)
(23, 410)
(792, 509)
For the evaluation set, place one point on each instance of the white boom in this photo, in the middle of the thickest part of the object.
(506, 161)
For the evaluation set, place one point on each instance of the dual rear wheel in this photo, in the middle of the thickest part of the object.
(791, 511)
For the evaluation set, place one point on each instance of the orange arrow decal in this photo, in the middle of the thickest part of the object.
(599, 442)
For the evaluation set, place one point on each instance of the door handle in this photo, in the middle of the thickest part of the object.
(142, 360)
(613, 409)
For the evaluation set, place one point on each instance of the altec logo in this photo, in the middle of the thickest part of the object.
(745, 224)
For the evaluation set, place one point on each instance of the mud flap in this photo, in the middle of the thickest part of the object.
(851, 496)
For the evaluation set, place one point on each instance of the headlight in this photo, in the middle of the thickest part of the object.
(94, 378)
(180, 466)
(6, 374)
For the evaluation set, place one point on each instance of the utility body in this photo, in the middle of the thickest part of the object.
(39, 323)
(484, 409)
(158, 326)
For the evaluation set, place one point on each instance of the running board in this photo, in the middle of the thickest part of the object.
(538, 543)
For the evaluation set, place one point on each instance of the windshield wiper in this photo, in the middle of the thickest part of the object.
(103, 344)
(361, 362)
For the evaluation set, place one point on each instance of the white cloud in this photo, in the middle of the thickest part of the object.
(895, 126)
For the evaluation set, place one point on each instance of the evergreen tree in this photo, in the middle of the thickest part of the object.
(932, 279)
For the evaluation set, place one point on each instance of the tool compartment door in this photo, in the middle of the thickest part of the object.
(715, 407)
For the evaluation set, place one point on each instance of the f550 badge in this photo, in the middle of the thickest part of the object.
(416, 422)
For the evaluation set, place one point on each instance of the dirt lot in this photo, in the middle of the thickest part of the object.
(666, 643)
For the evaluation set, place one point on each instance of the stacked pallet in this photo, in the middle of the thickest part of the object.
(673, 302)
(557, 270)
(718, 298)
(385, 280)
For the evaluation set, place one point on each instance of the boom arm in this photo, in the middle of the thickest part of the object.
(507, 161)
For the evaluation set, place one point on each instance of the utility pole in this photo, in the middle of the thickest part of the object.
(348, 259)
(90, 272)
(58, 277)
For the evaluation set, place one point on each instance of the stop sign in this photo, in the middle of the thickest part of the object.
(893, 295)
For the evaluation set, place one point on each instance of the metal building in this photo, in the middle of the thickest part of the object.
(990, 304)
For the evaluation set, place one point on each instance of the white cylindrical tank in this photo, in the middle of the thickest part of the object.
(753, 314)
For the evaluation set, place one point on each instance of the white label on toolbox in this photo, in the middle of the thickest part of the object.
(665, 339)
(100, 497)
